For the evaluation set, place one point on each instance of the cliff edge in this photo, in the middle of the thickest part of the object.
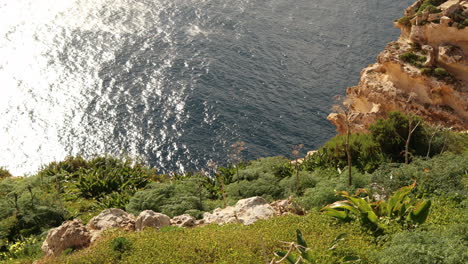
(424, 72)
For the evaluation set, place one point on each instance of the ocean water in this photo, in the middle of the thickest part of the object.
(176, 82)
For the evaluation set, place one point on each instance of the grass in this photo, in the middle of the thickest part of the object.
(232, 243)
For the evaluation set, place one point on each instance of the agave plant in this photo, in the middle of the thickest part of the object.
(377, 215)
(298, 252)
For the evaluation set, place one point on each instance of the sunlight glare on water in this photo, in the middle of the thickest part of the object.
(176, 82)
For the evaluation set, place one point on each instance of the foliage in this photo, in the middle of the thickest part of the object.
(365, 152)
(26, 209)
(391, 134)
(440, 73)
(305, 256)
(413, 59)
(28, 247)
(328, 181)
(4, 173)
(106, 175)
(431, 6)
(221, 244)
(445, 246)
(121, 244)
(405, 21)
(172, 199)
(377, 215)
(260, 178)
(440, 176)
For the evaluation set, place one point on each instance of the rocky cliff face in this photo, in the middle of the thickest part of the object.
(429, 62)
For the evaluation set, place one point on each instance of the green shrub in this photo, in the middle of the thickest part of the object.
(26, 209)
(306, 180)
(328, 181)
(106, 175)
(261, 178)
(378, 216)
(4, 173)
(405, 21)
(23, 248)
(391, 134)
(413, 59)
(366, 154)
(440, 73)
(427, 71)
(264, 168)
(442, 175)
(431, 6)
(121, 245)
(446, 246)
(171, 199)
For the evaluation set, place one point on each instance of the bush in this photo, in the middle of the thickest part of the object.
(431, 6)
(365, 153)
(427, 71)
(328, 182)
(427, 247)
(264, 168)
(440, 73)
(405, 21)
(171, 199)
(306, 180)
(4, 173)
(391, 134)
(29, 247)
(442, 175)
(121, 244)
(26, 209)
(106, 175)
(413, 59)
(260, 178)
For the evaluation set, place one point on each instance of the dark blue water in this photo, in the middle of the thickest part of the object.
(176, 82)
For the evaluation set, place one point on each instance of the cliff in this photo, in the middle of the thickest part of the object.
(429, 62)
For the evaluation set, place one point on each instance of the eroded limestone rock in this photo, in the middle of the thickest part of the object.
(184, 220)
(71, 234)
(149, 218)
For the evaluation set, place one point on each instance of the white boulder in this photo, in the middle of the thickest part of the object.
(246, 211)
(184, 220)
(71, 234)
(112, 218)
(149, 218)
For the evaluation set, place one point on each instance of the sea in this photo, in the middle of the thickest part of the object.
(174, 83)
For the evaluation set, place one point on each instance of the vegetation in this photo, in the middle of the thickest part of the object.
(430, 6)
(413, 59)
(405, 21)
(304, 252)
(81, 188)
(378, 215)
(4, 173)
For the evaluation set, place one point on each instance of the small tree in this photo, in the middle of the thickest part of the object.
(413, 123)
(235, 156)
(4, 173)
(219, 179)
(295, 152)
(431, 132)
(343, 108)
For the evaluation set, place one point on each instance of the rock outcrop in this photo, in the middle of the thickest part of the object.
(149, 218)
(286, 207)
(246, 211)
(428, 61)
(184, 220)
(110, 218)
(71, 234)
